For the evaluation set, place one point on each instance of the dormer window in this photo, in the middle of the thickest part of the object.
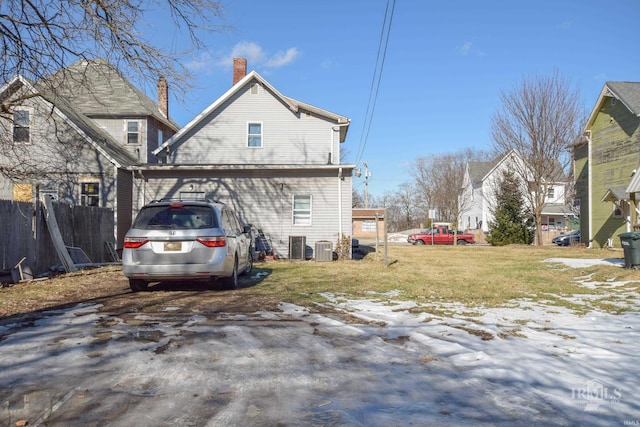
(133, 132)
(21, 126)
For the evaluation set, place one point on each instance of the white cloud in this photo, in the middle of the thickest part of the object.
(565, 25)
(466, 48)
(249, 50)
(203, 62)
(280, 59)
(257, 57)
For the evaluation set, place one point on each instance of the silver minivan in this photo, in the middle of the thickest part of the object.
(186, 240)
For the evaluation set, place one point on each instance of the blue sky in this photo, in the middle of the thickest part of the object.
(445, 65)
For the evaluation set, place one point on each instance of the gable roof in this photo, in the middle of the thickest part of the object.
(87, 128)
(96, 88)
(615, 194)
(479, 170)
(626, 92)
(291, 103)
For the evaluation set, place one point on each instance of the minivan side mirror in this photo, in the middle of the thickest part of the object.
(246, 229)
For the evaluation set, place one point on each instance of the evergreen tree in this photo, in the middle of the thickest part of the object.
(512, 223)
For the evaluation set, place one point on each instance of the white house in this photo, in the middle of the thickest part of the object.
(275, 159)
(481, 181)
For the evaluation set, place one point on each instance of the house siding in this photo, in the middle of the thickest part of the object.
(264, 198)
(62, 157)
(581, 174)
(116, 127)
(287, 137)
(614, 155)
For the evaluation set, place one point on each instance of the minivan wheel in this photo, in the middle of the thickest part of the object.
(138, 285)
(249, 266)
(231, 282)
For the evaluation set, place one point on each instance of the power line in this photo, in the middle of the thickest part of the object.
(371, 105)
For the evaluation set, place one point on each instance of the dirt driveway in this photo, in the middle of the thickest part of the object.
(189, 356)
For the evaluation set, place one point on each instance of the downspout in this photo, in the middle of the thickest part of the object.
(340, 179)
(589, 193)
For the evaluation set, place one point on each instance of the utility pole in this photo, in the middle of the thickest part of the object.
(367, 174)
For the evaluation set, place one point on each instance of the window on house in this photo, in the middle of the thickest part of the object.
(301, 210)
(254, 89)
(133, 132)
(160, 137)
(90, 194)
(254, 138)
(21, 126)
(550, 193)
(576, 203)
(617, 210)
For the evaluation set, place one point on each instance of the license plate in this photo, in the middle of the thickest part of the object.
(172, 246)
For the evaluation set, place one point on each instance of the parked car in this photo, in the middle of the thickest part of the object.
(440, 235)
(567, 239)
(186, 240)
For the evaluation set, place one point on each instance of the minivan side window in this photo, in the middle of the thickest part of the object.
(230, 223)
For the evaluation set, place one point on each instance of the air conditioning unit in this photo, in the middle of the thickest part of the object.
(297, 247)
(324, 251)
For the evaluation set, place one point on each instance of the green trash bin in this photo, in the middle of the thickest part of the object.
(630, 242)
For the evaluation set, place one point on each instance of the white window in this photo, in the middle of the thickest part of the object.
(160, 137)
(254, 135)
(254, 89)
(90, 193)
(301, 210)
(21, 126)
(133, 132)
(550, 193)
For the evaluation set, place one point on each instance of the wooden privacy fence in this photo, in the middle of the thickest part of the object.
(24, 234)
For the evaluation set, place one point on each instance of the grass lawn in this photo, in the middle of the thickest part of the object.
(472, 275)
(435, 277)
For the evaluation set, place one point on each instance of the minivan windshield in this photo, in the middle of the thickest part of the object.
(178, 216)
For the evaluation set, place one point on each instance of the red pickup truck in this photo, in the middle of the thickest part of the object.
(440, 235)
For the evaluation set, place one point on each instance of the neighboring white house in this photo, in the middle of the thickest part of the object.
(481, 181)
(274, 159)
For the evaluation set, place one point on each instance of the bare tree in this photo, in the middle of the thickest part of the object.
(40, 37)
(539, 119)
(357, 199)
(439, 181)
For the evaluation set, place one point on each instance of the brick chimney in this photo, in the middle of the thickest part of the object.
(163, 96)
(239, 69)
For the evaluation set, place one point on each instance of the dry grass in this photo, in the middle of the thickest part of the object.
(479, 275)
(471, 275)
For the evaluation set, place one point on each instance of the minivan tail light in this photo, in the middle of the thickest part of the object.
(213, 241)
(134, 242)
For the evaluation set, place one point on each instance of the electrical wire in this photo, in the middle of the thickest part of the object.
(373, 94)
